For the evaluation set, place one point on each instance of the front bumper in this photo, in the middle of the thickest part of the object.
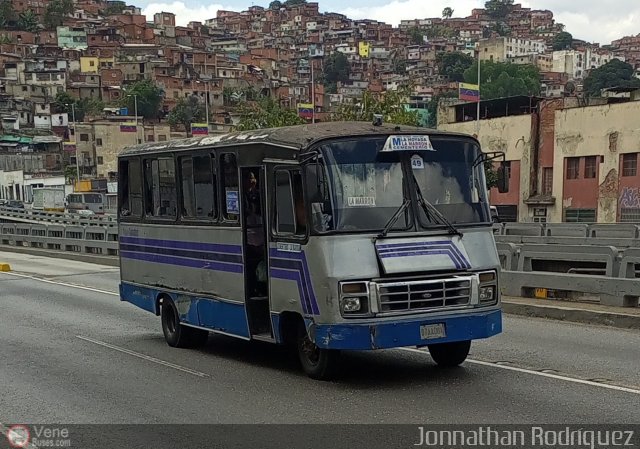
(406, 332)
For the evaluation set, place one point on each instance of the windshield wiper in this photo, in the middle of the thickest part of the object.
(394, 218)
(430, 209)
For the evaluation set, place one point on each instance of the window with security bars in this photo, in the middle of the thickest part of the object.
(630, 215)
(580, 215)
(590, 167)
(630, 164)
(547, 181)
(573, 167)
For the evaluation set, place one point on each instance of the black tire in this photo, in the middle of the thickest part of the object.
(177, 335)
(450, 355)
(317, 363)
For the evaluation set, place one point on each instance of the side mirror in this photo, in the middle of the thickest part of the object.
(503, 179)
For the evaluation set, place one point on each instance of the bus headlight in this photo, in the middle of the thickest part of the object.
(488, 288)
(487, 294)
(354, 299)
(351, 305)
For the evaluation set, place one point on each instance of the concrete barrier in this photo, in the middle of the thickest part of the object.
(603, 255)
(610, 291)
(531, 229)
(533, 256)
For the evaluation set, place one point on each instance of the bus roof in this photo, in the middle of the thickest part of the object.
(297, 137)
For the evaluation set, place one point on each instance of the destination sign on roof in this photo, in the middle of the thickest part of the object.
(408, 143)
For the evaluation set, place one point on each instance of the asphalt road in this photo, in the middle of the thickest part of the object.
(79, 355)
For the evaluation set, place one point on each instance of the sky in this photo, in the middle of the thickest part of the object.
(591, 20)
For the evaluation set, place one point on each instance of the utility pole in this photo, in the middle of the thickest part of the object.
(478, 105)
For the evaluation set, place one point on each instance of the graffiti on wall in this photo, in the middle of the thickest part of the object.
(630, 198)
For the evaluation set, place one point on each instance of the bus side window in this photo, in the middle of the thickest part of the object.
(198, 187)
(290, 213)
(204, 186)
(160, 188)
(188, 196)
(230, 187)
(130, 188)
(318, 196)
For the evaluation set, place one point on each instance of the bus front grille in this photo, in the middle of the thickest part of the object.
(424, 295)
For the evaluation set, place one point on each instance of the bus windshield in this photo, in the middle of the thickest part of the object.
(368, 185)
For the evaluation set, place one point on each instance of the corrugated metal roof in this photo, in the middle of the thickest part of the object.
(47, 139)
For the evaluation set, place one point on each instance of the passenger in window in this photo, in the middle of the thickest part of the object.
(255, 238)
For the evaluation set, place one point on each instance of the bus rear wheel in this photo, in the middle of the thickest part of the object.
(317, 363)
(450, 355)
(176, 334)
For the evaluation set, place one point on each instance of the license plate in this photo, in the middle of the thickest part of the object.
(432, 331)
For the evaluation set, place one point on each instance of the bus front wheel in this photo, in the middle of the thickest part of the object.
(317, 363)
(176, 334)
(449, 355)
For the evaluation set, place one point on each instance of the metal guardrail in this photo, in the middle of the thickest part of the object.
(42, 217)
(559, 260)
(95, 240)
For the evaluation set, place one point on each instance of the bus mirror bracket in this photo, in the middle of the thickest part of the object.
(500, 157)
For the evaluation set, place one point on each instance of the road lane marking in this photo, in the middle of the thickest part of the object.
(539, 373)
(143, 356)
(63, 284)
(197, 373)
(4, 430)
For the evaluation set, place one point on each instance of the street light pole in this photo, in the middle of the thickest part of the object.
(313, 94)
(75, 139)
(206, 103)
(135, 111)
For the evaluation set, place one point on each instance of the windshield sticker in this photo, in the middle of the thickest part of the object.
(408, 143)
(362, 201)
(416, 162)
(233, 206)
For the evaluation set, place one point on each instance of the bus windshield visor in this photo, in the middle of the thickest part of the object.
(369, 183)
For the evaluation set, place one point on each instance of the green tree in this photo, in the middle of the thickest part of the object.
(149, 98)
(28, 21)
(399, 66)
(88, 106)
(275, 4)
(82, 107)
(416, 36)
(62, 103)
(56, 11)
(501, 79)
(498, 9)
(563, 41)
(114, 7)
(266, 113)
(501, 28)
(432, 108)
(447, 13)
(438, 31)
(336, 69)
(615, 73)
(453, 64)
(7, 13)
(70, 174)
(187, 111)
(294, 2)
(392, 105)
